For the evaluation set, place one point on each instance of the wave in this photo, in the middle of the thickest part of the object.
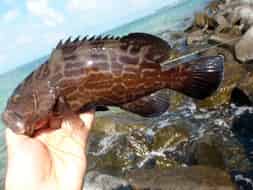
(174, 4)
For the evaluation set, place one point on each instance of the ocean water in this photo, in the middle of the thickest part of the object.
(171, 18)
(174, 17)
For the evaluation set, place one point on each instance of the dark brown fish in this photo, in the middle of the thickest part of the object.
(124, 72)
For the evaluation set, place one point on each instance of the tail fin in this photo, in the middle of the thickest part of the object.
(199, 78)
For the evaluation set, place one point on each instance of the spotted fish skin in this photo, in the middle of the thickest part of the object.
(106, 71)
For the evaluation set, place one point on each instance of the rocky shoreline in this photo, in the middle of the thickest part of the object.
(203, 145)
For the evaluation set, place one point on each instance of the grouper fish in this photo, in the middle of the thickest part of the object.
(126, 72)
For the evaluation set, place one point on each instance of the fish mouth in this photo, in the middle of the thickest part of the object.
(14, 121)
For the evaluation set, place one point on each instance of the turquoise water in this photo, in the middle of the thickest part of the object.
(166, 19)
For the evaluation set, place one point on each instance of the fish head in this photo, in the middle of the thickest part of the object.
(27, 106)
(19, 111)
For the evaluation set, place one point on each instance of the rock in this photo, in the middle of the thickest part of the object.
(95, 180)
(196, 37)
(169, 136)
(246, 86)
(202, 20)
(243, 179)
(239, 98)
(238, 79)
(244, 13)
(111, 153)
(228, 55)
(206, 152)
(105, 125)
(214, 6)
(242, 125)
(244, 48)
(197, 178)
(225, 40)
(176, 40)
(119, 122)
(234, 73)
(117, 152)
(222, 22)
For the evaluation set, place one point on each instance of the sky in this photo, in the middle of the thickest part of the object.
(30, 29)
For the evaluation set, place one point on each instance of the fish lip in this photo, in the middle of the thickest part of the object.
(14, 122)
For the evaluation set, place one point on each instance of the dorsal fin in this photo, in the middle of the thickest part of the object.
(67, 41)
(86, 39)
(59, 44)
(76, 40)
(106, 37)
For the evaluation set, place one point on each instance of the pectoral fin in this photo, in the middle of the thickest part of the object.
(149, 106)
(61, 107)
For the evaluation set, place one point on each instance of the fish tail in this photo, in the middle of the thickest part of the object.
(199, 78)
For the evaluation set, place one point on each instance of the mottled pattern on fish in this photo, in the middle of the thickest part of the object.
(109, 72)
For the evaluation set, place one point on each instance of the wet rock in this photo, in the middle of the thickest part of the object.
(95, 180)
(202, 20)
(224, 51)
(244, 12)
(197, 178)
(207, 153)
(169, 136)
(118, 152)
(224, 39)
(177, 100)
(222, 23)
(105, 125)
(112, 153)
(246, 84)
(119, 122)
(243, 49)
(175, 39)
(239, 98)
(242, 125)
(213, 7)
(233, 74)
(196, 37)
(243, 180)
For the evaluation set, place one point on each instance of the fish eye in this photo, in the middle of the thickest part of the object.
(16, 98)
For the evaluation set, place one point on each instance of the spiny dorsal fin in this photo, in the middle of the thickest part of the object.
(92, 38)
(59, 44)
(76, 40)
(85, 39)
(106, 37)
(67, 41)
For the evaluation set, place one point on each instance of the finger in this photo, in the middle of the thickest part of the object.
(13, 140)
(88, 119)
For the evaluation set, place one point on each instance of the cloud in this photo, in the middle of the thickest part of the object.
(10, 15)
(81, 5)
(41, 9)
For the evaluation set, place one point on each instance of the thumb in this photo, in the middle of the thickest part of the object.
(13, 140)
(88, 119)
(78, 127)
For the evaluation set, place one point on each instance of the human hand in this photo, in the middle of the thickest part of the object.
(53, 159)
